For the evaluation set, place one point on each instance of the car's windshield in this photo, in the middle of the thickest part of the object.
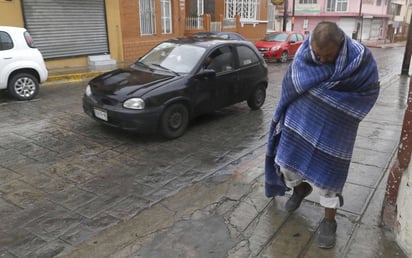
(278, 37)
(175, 57)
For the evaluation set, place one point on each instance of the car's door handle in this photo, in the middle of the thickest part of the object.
(8, 57)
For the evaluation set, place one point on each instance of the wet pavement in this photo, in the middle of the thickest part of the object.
(70, 187)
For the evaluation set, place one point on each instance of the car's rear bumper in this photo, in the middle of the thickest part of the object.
(270, 55)
(144, 121)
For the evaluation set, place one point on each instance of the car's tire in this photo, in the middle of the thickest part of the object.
(174, 121)
(257, 98)
(284, 57)
(23, 86)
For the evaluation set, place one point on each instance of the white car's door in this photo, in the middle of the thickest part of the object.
(6, 57)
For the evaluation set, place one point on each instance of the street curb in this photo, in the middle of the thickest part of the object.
(73, 77)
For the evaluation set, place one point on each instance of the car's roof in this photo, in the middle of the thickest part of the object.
(284, 32)
(218, 34)
(11, 28)
(207, 42)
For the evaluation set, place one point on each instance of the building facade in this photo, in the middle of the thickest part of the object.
(67, 32)
(360, 19)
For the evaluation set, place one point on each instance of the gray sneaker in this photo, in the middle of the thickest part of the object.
(327, 233)
(296, 199)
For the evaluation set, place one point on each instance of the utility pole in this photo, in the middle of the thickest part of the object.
(408, 51)
(285, 14)
(293, 15)
(360, 21)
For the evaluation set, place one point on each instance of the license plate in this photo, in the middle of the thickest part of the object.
(101, 114)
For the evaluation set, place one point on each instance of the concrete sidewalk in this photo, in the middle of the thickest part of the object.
(227, 214)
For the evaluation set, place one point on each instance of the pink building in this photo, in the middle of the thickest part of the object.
(360, 19)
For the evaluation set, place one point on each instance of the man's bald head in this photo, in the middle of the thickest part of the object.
(326, 33)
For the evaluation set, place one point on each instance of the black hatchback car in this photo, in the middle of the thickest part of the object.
(176, 81)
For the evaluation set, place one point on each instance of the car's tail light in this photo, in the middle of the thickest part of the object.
(29, 39)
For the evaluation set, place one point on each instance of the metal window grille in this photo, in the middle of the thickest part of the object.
(308, 1)
(200, 7)
(147, 17)
(215, 26)
(194, 22)
(337, 6)
(341, 5)
(271, 17)
(166, 13)
(246, 9)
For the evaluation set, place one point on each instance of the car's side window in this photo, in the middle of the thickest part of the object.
(221, 60)
(293, 38)
(246, 56)
(5, 41)
(300, 37)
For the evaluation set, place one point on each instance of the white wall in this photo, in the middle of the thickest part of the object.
(404, 216)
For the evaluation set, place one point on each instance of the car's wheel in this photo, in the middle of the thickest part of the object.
(257, 98)
(283, 57)
(23, 86)
(174, 121)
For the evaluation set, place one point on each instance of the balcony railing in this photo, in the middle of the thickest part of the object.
(194, 22)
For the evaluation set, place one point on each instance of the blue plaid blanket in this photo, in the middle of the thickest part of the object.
(314, 126)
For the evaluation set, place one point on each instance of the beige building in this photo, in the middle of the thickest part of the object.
(69, 32)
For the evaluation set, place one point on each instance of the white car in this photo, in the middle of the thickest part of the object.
(22, 66)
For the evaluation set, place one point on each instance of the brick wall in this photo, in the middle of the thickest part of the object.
(134, 44)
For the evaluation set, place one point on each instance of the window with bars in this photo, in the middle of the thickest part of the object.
(308, 1)
(166, 13)
(147, 17)
(200, 7)
(337, 6)
(246, 9)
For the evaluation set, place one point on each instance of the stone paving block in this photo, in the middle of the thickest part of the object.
(378, 130)
(295, 234)
(12, 159)
(22, 243)
(203, 238)
(365, 175)
(127, 238)
(128, 207)
(265, 225)
(6, 254)
(72, 197)
(21, 194)
(52, 249)
(371, 157)
(53, 224)
(7, 175)
(98, 205)
(372, 242)
(88, 228)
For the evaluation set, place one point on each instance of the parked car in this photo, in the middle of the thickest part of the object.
(222, 35)
(22, 67)
(280, 46)
(176, 81)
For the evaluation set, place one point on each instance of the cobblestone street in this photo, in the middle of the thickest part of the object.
(72, 187)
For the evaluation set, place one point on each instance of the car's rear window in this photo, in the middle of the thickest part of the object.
(29, 39)
(279, 37)
(6, 42)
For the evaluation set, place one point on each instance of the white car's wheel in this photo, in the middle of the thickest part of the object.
(23, 86)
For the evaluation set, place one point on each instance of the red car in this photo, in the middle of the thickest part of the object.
(280, 46)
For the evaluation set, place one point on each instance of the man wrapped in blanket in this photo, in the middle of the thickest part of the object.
(327, 90)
